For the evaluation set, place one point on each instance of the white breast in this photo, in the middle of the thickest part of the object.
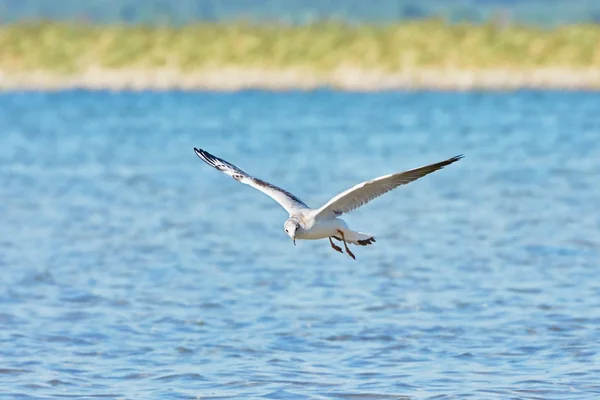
(322, 229)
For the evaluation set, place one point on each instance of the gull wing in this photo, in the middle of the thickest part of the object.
(363, 193)
(287, 200)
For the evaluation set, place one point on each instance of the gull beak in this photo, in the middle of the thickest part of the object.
(294, 240)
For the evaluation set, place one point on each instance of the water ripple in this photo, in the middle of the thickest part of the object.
(126, 274)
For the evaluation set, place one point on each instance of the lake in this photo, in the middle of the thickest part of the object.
(132, 270)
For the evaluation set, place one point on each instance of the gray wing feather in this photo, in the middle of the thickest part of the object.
(287, 200)
(363, 193)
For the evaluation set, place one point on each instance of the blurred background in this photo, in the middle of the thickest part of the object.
(539, 12)
(129, 269)
(356, 45)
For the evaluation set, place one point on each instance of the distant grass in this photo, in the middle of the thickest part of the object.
(69, 47)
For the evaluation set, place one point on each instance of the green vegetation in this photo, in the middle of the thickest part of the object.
(320, 47)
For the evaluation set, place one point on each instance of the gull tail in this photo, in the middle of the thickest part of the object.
(357, 238)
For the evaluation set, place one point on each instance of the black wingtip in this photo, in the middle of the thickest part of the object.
(203, 155)
(445, 163)
(455, 159)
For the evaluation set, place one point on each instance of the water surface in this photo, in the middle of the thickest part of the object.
(130, 269)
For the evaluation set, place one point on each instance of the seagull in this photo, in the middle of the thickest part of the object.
(312, 224)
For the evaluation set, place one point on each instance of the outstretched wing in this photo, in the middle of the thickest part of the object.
(285, 198)
(362, 193)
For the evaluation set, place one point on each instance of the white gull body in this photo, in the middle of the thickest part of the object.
(312, 224)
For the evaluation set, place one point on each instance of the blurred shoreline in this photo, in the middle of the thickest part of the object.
(232, 79)
(420, 54)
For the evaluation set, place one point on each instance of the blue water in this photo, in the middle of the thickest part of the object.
(161, 12)
(130, 269)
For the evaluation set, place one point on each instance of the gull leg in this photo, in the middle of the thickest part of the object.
(336, 248)
(346, 246)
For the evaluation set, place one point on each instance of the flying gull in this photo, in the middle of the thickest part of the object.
(312, 224)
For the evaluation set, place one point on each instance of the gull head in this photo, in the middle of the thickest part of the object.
(290, 227)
